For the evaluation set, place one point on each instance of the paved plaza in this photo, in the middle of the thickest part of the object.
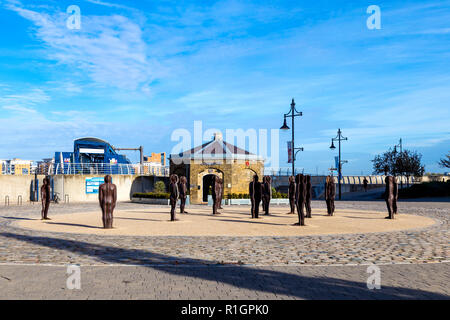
(413, 262)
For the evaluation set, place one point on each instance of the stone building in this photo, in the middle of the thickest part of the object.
(216, 158)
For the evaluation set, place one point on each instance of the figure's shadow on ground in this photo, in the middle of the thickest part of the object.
(280, 283)
(19, 218)
(74, 225)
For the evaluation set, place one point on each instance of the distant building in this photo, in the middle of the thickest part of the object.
(217, 157)
(156, 158)
(16, 166)
(154, 164)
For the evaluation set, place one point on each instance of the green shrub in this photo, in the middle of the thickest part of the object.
(160, 187)
(152, 195)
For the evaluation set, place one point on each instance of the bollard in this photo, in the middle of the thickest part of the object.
(19, 200)
(6, 201)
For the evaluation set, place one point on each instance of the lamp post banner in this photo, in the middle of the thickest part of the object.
(289, 148)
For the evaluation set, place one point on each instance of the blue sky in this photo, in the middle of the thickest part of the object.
(138, 70)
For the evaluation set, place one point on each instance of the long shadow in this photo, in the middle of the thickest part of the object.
(137, 219)
(74, 225)
(254, 221)
(280, 283)
(364, 218)
(18, 218)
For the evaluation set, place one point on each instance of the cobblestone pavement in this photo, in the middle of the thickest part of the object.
(413, 262)
(416, 281)
(429, 244)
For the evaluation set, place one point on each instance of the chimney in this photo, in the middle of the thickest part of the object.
(218, 136)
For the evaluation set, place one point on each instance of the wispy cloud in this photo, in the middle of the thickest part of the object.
(109, 49)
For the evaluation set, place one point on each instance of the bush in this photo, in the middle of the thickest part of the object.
(152, 195)
(279, 195)
(426, 189)
(160, 187)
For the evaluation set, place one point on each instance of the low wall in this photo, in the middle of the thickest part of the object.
(74, 186)
(13, 186)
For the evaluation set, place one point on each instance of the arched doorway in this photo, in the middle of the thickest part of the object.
(207, 184)
(205, 179)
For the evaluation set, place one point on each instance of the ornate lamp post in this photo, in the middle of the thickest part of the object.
(292, 114)
(395, 155)
(339, 138)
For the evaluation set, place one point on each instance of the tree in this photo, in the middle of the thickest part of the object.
(384, 163)
(445, 163)
(395, 163)
(160, 187)
(409, 163)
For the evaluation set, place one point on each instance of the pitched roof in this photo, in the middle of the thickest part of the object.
(216, 149)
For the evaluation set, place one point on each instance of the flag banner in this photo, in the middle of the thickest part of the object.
(289, 148)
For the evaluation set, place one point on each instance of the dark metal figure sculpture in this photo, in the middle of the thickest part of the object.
(107, 197)
(174, 193)
(291, 194)
(391, 196)
(267, 193)
(182, 189)
(300, 197)
(45, 198)
(220, 193)
(308, 196)
(216, 194)
(330, 194)
(255, 191)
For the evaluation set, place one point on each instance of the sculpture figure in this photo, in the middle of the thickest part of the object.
(267, 193)
(300, 197)
(330, 194)
(216, 194)
(182, 188)
(107, 197)
(391, 196)
(308, 196)
(365, 183)
(220, 193)
(174, 194)
(255, 191)
(45, 198)
(291, 193)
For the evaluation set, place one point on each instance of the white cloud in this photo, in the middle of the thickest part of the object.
(109, 49)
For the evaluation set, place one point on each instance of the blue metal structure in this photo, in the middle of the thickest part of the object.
(91, 153)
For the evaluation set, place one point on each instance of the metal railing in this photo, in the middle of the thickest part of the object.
(101, 169)
(92, 169)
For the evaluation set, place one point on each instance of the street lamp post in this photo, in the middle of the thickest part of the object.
(395, 155)
(339, 138)
(292, 113)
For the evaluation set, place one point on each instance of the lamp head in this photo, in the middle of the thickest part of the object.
(332, 147)
(285, 126)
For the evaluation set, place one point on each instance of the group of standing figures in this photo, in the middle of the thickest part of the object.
(260, 192)
(107, 198)
(177, 190)
(300, 195)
